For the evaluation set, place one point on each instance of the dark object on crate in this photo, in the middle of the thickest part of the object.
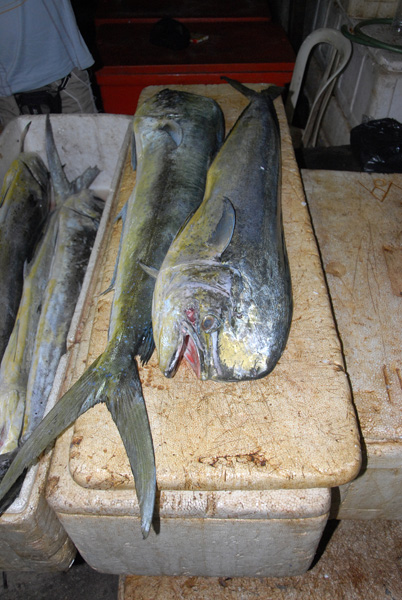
(378, 145)
(170, 33)
(332, 158)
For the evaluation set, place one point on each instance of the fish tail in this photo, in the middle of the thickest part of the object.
(128, 411)
(120, 388)
(273, 91)
(61, 416)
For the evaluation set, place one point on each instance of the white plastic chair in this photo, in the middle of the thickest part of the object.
(338, 59)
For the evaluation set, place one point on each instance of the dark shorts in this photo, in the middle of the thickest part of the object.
(76, 97)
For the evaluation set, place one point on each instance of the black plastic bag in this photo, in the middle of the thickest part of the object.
(170, 33)
(377, 145)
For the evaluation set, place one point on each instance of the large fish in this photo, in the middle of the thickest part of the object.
(223, 298)
(52, 283)
(24, 205)
(176, 136)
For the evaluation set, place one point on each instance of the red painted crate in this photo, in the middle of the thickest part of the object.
(129, 9)
(252, 51)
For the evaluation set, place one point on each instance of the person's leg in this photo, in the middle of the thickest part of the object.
(8, 110)
(77, 96)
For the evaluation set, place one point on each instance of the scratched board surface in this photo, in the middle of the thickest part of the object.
(295, 428)
(358, 221)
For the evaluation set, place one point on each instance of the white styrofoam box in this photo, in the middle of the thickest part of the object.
(82, 141)
(377, 492)
(233, 534)
(370, 9)
(370, 86)
(31, 537)
(359, 235)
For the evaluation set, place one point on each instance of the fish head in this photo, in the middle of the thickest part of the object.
(165, 117)
(208, 318)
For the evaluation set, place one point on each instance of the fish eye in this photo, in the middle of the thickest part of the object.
(210, 323)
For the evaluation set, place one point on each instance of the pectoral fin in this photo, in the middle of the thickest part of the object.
(221, 236)
(151, 271)
(207, 234)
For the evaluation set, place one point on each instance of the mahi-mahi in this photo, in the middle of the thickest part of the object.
(52, 282)
(223, 297)
(24, 205)
(176, 136)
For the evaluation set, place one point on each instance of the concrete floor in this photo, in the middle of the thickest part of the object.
(357, 560)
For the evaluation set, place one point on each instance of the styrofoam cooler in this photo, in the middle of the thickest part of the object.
(357, 219)
(244, 470)
(31, 536)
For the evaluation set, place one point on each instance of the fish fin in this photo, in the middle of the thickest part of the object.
(106, 380)
(189, 216)
(273, 91)
(122, 215)
(133, 153)
(128, 411)
(84, 394)
(5, 188)
(61, 185)
(83, 181)
(147, 346)
(151, 271)
(175, 131)
(24, 135)
(222, 235)
(5, 461)
(210, 231)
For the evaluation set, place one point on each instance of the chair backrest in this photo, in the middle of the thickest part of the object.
(339, 58)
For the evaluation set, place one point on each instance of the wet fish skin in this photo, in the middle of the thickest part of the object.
(17, 358)
(78, 223)
(51, 287)
(24, 205)
(176, 136)
(223, 296)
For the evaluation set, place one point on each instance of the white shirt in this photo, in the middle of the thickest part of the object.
(39, 43)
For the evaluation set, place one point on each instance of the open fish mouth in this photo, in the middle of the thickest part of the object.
(189, 351)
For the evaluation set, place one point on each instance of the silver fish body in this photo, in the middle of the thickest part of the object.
(223, 297)
(18, 355)
(24, 205)
(176, 136)
(78, 222)
(51, 287)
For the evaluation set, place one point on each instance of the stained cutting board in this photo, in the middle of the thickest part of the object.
(358, 221)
